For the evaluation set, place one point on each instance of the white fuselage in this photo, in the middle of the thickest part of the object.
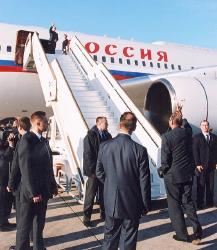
(21, 92)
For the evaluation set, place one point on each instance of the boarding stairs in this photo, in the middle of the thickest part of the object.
(79, 89)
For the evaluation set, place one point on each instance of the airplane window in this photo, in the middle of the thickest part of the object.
(151, 64)
(136, 62)
(165, 66)
(9, 49)
(103, 58)
(120, 60)
(112, 60)
(95, 58)
(158, 65)
(128, 61)
(179, 67)
(143, 63)
(172, 66)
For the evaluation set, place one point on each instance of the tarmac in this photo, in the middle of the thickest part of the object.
(64, 229)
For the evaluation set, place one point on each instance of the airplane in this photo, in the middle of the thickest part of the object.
(157, 76)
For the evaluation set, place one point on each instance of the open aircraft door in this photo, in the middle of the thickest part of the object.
(20, 45)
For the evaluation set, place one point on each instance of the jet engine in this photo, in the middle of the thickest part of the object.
(196, 95)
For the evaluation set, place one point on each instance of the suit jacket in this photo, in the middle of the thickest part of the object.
(5, 158)
(205, 154)
(177, 155)
(36, 168)
(123, 167)
(91, 148)
(15, 175)
(53, 35)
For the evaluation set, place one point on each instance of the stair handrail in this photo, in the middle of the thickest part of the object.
(47, 75)
(98, 70)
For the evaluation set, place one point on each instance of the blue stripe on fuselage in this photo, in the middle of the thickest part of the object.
(7, 63)
(128, 74)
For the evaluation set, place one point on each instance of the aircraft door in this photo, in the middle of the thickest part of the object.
(20, 45)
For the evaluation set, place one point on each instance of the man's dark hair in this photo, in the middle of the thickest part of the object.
(128, 123)
(204, 121)
(24, 123)
(38, 115)
(100, 118)
(176, 119)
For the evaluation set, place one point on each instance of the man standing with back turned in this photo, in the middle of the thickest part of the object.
(177, 166)
(123, 167)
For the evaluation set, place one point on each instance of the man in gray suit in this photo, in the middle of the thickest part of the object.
(123, 167)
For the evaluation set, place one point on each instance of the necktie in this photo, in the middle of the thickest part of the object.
(104, 137)
(207, 138)
(45, 142)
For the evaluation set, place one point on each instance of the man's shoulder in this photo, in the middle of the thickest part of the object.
(28, 138)
(198, 136)
(167, 134)
(108, 143)
(92, 132)
(213, 135)
(138, 146)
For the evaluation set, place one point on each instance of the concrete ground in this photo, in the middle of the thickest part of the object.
(64, 229)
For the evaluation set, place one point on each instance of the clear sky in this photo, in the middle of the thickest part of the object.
(184, 21)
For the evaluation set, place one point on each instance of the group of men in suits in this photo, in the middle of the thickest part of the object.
(118, 172)
(120, 168)
(32, 181)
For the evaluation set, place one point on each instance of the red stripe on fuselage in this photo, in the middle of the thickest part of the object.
(121, 77)
(14, 69)
(20, 69)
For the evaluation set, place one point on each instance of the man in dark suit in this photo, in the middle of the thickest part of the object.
(178, 168)
(23, 126)
(123, 167)
(53, 39)
(37, 183)
(6, 154)
(205, 157)
(92, 140)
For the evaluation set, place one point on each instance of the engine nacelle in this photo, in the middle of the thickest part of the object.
(197, 95)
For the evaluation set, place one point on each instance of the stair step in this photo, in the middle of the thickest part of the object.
(89, 115)
(94, 99)
(73, 76)
(87, 93)
(98, 109)
(78, 88)
(81, 84)
(70, 70)
(111, 121)
(91, 103)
